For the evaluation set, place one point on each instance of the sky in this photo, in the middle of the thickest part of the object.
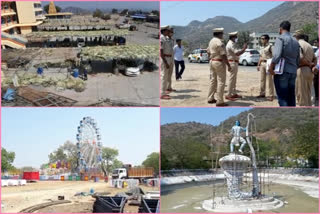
(104, 5)
(211, 116)
(182, 13)
(32, 133)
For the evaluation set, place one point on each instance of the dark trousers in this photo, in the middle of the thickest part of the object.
(285, 85)
(179, 73)
(316, 85)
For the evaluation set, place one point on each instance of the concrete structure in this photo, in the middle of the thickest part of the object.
(234, 166)
(19, 17)
(255, 44)
(53, 14)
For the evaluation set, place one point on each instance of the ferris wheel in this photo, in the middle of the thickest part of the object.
(89, 145)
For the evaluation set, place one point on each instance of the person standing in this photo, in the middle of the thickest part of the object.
(286, 47)
(316, 75)
(166, 61)
(218, 61)
(171, 44)
(265, 78)
(233, 58)
(304, 74)
(178, 59)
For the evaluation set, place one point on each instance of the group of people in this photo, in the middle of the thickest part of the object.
(171, 56)
(293, 83)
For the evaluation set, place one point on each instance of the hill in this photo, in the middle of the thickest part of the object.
(76, 10)
(279, 133)
(198, 34)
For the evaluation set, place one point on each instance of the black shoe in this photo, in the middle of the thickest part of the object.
(212, 101)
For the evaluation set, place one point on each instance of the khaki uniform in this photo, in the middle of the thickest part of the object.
(304, 75)
(171, 41)
(217, 70)
(234, 61)
(266, 79)
(168, 52)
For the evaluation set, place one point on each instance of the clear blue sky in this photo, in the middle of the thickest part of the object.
(182, 13)
(104, 5)
(211, 116)
(32, 133)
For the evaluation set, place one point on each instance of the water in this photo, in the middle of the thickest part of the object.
(188, 198)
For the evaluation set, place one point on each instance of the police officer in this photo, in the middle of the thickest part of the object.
(166, 61)
(304, 73)
(218, 61)
(233, 57)
(265, 78)
(171, 42)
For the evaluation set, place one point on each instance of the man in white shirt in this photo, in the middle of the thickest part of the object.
(178, 59)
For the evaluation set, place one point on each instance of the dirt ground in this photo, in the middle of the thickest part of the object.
(20, 197)
(192, 90)
(103, 88)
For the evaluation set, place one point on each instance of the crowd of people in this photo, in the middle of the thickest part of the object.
(288, 69)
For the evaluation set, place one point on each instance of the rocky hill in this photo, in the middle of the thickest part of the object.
(76, 10)
(277, 134)
(198, 34)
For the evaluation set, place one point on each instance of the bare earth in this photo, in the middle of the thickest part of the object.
(20, 197)
(192, 90)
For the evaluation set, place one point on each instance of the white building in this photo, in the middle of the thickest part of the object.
(255, 44)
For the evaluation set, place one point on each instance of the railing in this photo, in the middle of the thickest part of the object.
(4, 11)
(14, 37)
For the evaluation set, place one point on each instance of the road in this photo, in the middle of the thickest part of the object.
(192, 90)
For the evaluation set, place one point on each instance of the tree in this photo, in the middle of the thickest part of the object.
(66, 152)
(114, 11)
(106, 17)
(152, 161)
(109, 160)
(124, 12)
(311, 30)
(243, 37)
(156, 12)
(97, 13)
(46, 8)
(7, 159)
(306, 144)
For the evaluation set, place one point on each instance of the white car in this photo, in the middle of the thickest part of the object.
(249, 57)
(198, 55)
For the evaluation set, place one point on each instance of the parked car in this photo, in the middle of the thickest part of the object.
(249, 57)
(198, 55)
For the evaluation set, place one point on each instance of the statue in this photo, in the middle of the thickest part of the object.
(236, 139)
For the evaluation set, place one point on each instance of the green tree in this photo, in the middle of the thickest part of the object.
(97, 13)
(152, 161)
(306, 144)
(66, 152)
(114, 10)
(7, 159)
(109, 160)
(311, 30)
(243, 37)
(46, 8)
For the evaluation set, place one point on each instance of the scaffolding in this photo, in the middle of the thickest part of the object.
(246, 184)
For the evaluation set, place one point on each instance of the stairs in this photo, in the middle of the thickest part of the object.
(13, 40)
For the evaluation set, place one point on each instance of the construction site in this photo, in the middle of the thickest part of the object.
(238, 181)
(65, 59)
(79, 179)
